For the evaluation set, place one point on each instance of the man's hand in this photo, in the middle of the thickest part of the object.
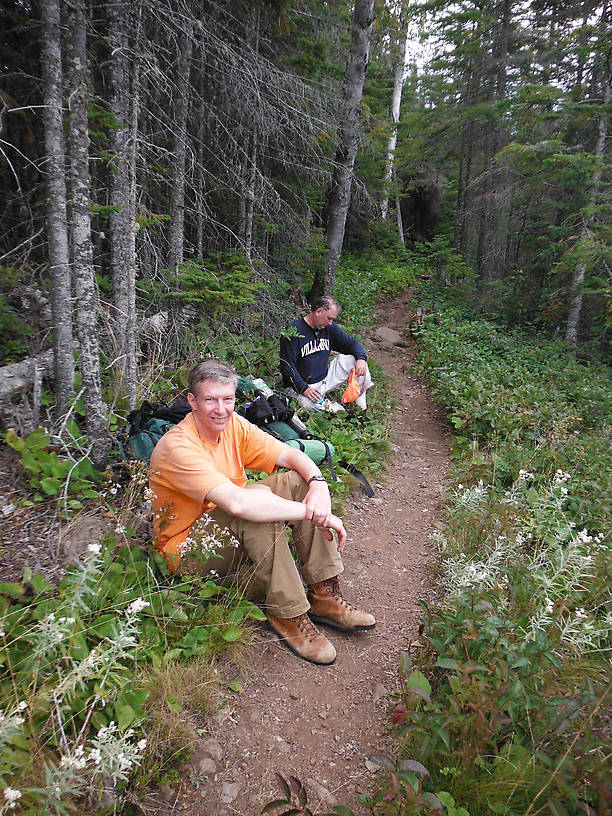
(334, 523)
(312, 394)
(360, 368)
(318, 503)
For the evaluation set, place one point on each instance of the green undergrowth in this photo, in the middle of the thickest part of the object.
(363, 284)
(98, 675)
(507, 710)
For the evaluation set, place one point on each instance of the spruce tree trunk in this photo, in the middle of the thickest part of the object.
(339, 195)
(579, 274)
(57, 222)
(249, 203)
(252, 143)
(199, 192)
(121, 177)
(83, 272)
(181, 109)
(396, 101)
(131, 329)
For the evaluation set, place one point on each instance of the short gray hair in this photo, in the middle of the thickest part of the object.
(325, 302)
(212, 369)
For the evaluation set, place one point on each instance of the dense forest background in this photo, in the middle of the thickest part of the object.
(172, 173)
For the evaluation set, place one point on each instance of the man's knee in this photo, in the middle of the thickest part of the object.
(288, 484)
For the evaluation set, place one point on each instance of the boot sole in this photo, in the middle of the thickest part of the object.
(286, 643)
(342, 626)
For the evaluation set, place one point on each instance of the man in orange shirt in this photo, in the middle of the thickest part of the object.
(201, 495)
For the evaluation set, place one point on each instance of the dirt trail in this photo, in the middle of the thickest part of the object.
(320, 723)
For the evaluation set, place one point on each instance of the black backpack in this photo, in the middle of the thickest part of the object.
(146, 426)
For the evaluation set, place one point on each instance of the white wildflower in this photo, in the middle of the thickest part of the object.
(12, 796)
(77, 760)
(136, 607)
(94, 548)
(561, 477)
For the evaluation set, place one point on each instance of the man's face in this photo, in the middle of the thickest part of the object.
(212, 406)
(323, 318)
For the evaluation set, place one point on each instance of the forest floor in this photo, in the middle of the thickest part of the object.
(318, 723)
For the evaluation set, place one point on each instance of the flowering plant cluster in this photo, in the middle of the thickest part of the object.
(514, 718)
(75, 654)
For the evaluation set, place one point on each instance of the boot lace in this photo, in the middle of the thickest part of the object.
(332, 587)
(306, 627)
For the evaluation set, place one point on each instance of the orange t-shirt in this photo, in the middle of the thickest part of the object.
(185, 468)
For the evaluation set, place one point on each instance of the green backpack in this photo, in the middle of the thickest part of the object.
(273, 414)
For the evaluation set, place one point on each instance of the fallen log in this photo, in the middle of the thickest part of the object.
(19, 376)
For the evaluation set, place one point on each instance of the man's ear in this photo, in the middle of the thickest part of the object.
(192, 401)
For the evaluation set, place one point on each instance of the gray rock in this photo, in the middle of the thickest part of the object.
(229, 791)
(387, 337)
(80, 534)
(213, 748)
(318, 796)
(282, 746)
(207, 766)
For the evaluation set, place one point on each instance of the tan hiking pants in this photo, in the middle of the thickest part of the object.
(261, 556)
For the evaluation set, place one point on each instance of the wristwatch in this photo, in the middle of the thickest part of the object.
(318, 477)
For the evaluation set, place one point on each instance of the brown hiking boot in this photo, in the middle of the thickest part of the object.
(303, 637)
(328, 606)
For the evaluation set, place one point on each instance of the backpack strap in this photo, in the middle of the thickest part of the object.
(328, 459)
(367, 487)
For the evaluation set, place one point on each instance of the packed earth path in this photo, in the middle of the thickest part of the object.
(320, 723)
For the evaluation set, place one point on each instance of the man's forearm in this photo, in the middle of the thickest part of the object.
(266, 506)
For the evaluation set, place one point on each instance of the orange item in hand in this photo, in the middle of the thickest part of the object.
(353, 389)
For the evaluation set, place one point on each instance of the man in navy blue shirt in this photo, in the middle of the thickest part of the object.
(305, 359)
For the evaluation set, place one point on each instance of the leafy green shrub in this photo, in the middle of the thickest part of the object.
(49, 474)
(520, 403)
(361, 283)
(508, 712)
(74, 659)
(220, 283)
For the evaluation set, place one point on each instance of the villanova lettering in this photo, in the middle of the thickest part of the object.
(315, 345)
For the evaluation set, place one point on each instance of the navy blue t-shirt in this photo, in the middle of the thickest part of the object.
(304, 360)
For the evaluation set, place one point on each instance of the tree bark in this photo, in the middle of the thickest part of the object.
(121, 226)
(398, 218)
(57, 222)
(339, 196)
(249, 203)
(181, 109)
(491, 236)
(131, 328)
(83, 273)
(579, 274)
(396, 101)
